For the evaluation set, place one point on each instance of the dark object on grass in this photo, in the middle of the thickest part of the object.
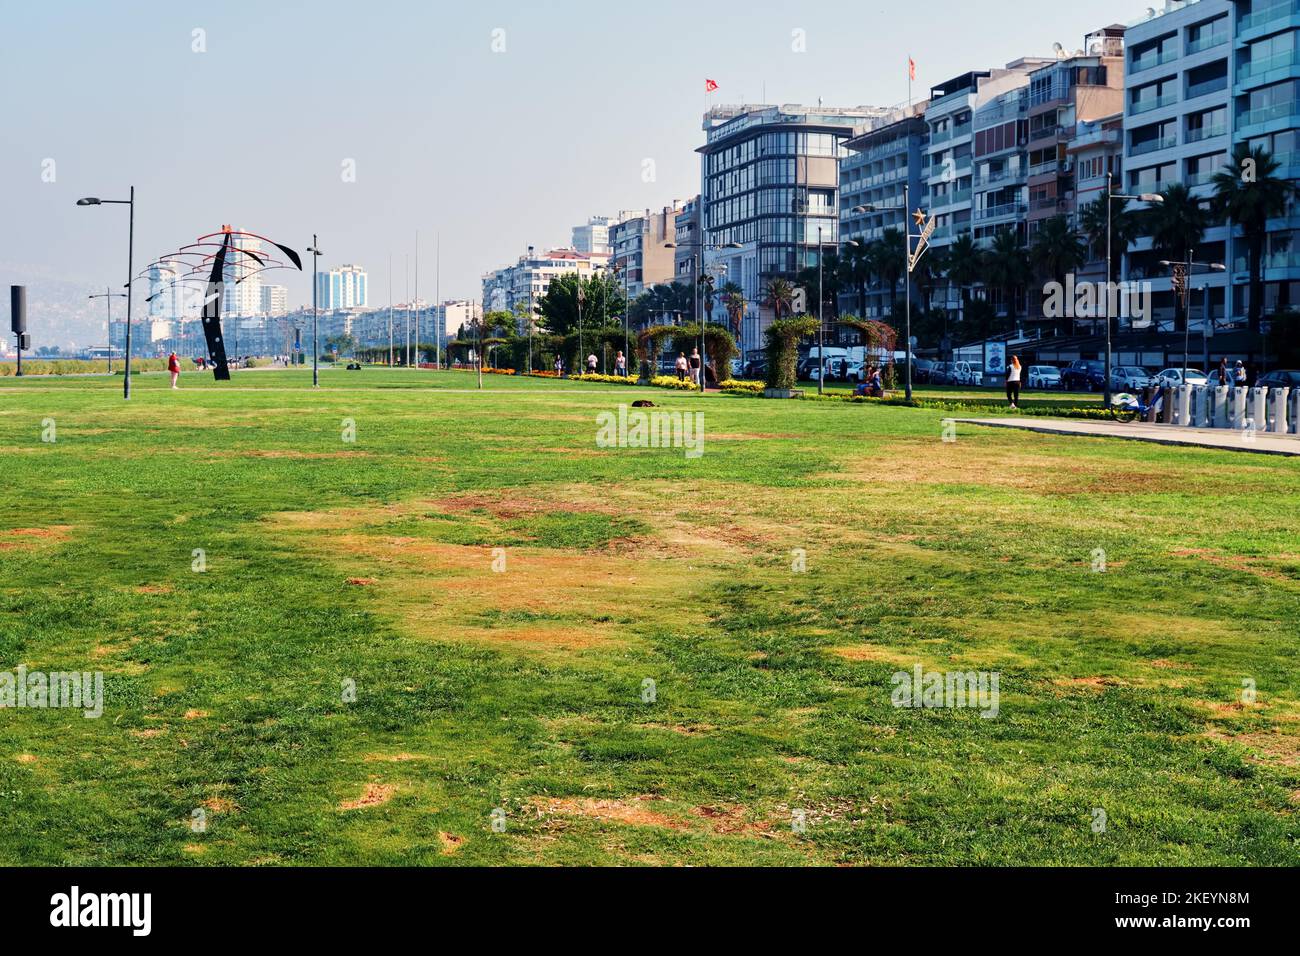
(354, 367)
(643, 403)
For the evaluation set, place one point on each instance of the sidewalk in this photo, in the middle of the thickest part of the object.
(1223, 439)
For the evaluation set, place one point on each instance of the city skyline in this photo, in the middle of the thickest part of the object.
(284, 164)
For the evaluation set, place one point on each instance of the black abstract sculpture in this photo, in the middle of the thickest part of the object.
(199, 263)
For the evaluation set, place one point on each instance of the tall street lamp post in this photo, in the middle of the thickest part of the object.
(1111, 196)
(1182, 273)
(314, 249)
(108, 296)
(907, 272)
(130, 271)
(699, 308)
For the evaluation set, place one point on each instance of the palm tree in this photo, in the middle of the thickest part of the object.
(706, 282)
(1249, 193)
(888, 263)
(1124, 226)
(1176, 227)
(733, 299)
(966, 262)
(780, 294)
(1056, 250)
(1007, 269)
(855, 266)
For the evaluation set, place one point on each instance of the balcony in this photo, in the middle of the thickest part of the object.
(1052, 203)
(1206, 43)
(1046, 132)
(1193, 180)
(1151, 59)
(1206, 87)
(1260, 18)
(1012, 209)
(992, 179)
(1205, 132)
(1152, 145)
(1257, 67)
(1054, 168)
(955, 198)
(1150, 103)
(1266, 114)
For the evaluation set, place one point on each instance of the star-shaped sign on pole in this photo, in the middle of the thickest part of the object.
(919, 216)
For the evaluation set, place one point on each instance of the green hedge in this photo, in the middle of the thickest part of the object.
(81, 366)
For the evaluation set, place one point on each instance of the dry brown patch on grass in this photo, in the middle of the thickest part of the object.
(26, 758)
(24, 539)
(374, 795)
(635, 812)
(147, 734)
(196, 714)
(1266, 746)
(1097, 683)
(733, 819)
(219, 805)
(362, 582)
(686, 730)
(154, 589)
(1261, 567)
(393, 758)
(450, 842)
(196, 849)
(288, 453)
(874, 653)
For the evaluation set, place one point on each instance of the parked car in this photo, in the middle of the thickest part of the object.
(755, 369)
(1174, 376)
(1130, 378)
(1280, 378)
(965, 373)
(941, 373)
(856, 372)
(1043, 376)
(923, 371)
(1084, 375)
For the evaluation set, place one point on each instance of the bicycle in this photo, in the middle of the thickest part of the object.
(1126, 407)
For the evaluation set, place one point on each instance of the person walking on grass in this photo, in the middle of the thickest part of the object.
(174, 367)
(681, 366)
(1013, 381)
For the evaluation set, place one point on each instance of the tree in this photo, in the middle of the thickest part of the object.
(1056, 250)
(966, 262)
(780, 296)
(670, 299)
(889, 263)
(1124, 227)
(1249, 192)
(855, 269)
(733, 299)
(559, 308)
(707, 291)
(1007, 269)
(1176, 227)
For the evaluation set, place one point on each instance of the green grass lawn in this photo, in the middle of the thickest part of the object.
(499, 589)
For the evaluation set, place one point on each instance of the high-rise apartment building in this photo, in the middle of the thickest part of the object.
(593, 236)
(342, 288)
(521, 285)
(769, 195)
(640, 253)
(275, 299)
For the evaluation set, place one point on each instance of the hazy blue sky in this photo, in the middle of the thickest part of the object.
(493, 150)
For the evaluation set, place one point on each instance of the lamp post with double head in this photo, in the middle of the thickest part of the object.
(130, 271)
(1182, 272)
(907, 273)
(699, 306)
(314, 249)
(1111, 196)
(108, 296)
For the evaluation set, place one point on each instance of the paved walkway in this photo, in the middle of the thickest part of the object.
(1224, 439)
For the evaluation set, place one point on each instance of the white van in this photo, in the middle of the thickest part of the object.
(967, 373)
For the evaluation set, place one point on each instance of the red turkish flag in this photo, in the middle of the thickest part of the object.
(710, 86)
(911, 68)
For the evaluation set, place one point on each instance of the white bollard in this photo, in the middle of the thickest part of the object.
(1183, 405)
(1204, 414)
(1293, 420)
(1237, 404)
(1258, 410)
(1220, 398)
(1277, 411)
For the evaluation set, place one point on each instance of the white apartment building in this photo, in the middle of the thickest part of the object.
(342, 288)
(641, 254)
(275, 299)
(519, 287)
(593, 236)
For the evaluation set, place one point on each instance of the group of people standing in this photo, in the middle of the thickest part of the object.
(691, 365)
(593, 364)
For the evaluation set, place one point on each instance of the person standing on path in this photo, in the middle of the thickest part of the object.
(174, 367)
(695, 366)
(1013, 381)
(620, 365)
(681, 366)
